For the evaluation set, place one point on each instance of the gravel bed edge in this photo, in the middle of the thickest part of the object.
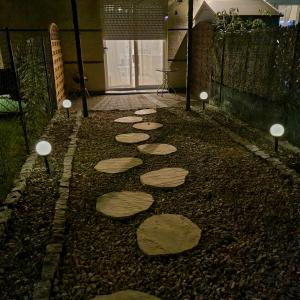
(42, 289)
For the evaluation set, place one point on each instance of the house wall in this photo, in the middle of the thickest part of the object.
(36, 14)
(177, 40)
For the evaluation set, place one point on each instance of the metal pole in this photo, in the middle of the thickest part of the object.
(47, 77)
(276, 144)
(222, 68)
(79, 57)
(68, 113)
(189, 55)
(17, 91)
(47, 165)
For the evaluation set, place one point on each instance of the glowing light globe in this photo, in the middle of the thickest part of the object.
(277, 130)
(67, 103)
(204, 95)
(166, 18)
(43, 148)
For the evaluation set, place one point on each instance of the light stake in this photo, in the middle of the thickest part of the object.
(276, 130)
(203, 97)
(67, 104)
(44, 148)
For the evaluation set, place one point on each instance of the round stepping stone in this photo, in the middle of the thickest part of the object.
(165, 178)
(117, 165)
(145, 112)
(147, 126)
(131, 138)
(123, 204)
(167, 234)
(127, 295)
(132, 119)
(157, 149)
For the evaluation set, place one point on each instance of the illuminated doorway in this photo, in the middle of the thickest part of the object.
(132, 64)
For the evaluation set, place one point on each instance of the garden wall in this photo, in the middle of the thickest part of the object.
(254, 76)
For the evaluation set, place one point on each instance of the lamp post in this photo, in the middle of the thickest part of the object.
(67, 104)
(203, 97)
(44, 148)
(276, 130)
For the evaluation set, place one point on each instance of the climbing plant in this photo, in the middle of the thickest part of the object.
(33, 85)
(233, 22)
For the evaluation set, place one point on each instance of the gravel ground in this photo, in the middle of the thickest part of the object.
(248, 213)
(22, 252)
(257, 137)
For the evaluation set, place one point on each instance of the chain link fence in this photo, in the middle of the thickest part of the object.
(27, 97)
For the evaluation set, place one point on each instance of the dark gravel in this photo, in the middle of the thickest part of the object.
(22, 252)
(249, 215)
(257, 137)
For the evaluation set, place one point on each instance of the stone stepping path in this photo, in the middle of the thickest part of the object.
(131, 138)
(117, 165)
(131, 119)
(127, 295)
(145, 112)
(123, 204)
(157, 149)
(167, 234)
(165, 178)
(147, 126)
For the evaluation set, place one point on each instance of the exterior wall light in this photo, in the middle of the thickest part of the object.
(44, 148)
(67, 104)
(204, 97)
(277, 131)
(166, 17)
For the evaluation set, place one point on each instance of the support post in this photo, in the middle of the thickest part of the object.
(79, 58)
(50, 101)
(47, 165)
(17, 93)
(189, 55)
(222, 68)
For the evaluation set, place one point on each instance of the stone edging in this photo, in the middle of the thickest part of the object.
(20, 182)
(275, 162)
(54, 248)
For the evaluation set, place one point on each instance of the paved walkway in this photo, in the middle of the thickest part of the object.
(130, 102)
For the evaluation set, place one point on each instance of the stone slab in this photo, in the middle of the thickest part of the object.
(123, 204)
(167, 234)
(147, 126)
(130, 119)
(145, 112)
(127, 295)
(131, 138)
(118, 165)
(157, 149)
(165, 178)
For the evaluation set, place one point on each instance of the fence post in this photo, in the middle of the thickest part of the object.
(222, 67)
(47, 76)
(189, 55)
(21, 113)
(79, 57)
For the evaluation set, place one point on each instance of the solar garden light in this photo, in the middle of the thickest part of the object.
(67, 105)
(276, 130)
(203, 97)
(44, 148)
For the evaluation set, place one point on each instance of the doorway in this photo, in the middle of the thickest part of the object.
(132, 64)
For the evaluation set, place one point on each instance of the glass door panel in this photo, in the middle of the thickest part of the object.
(119, 64)
(150, 58)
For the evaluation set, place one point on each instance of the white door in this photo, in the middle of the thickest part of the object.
(133, 64)
(118, 64)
